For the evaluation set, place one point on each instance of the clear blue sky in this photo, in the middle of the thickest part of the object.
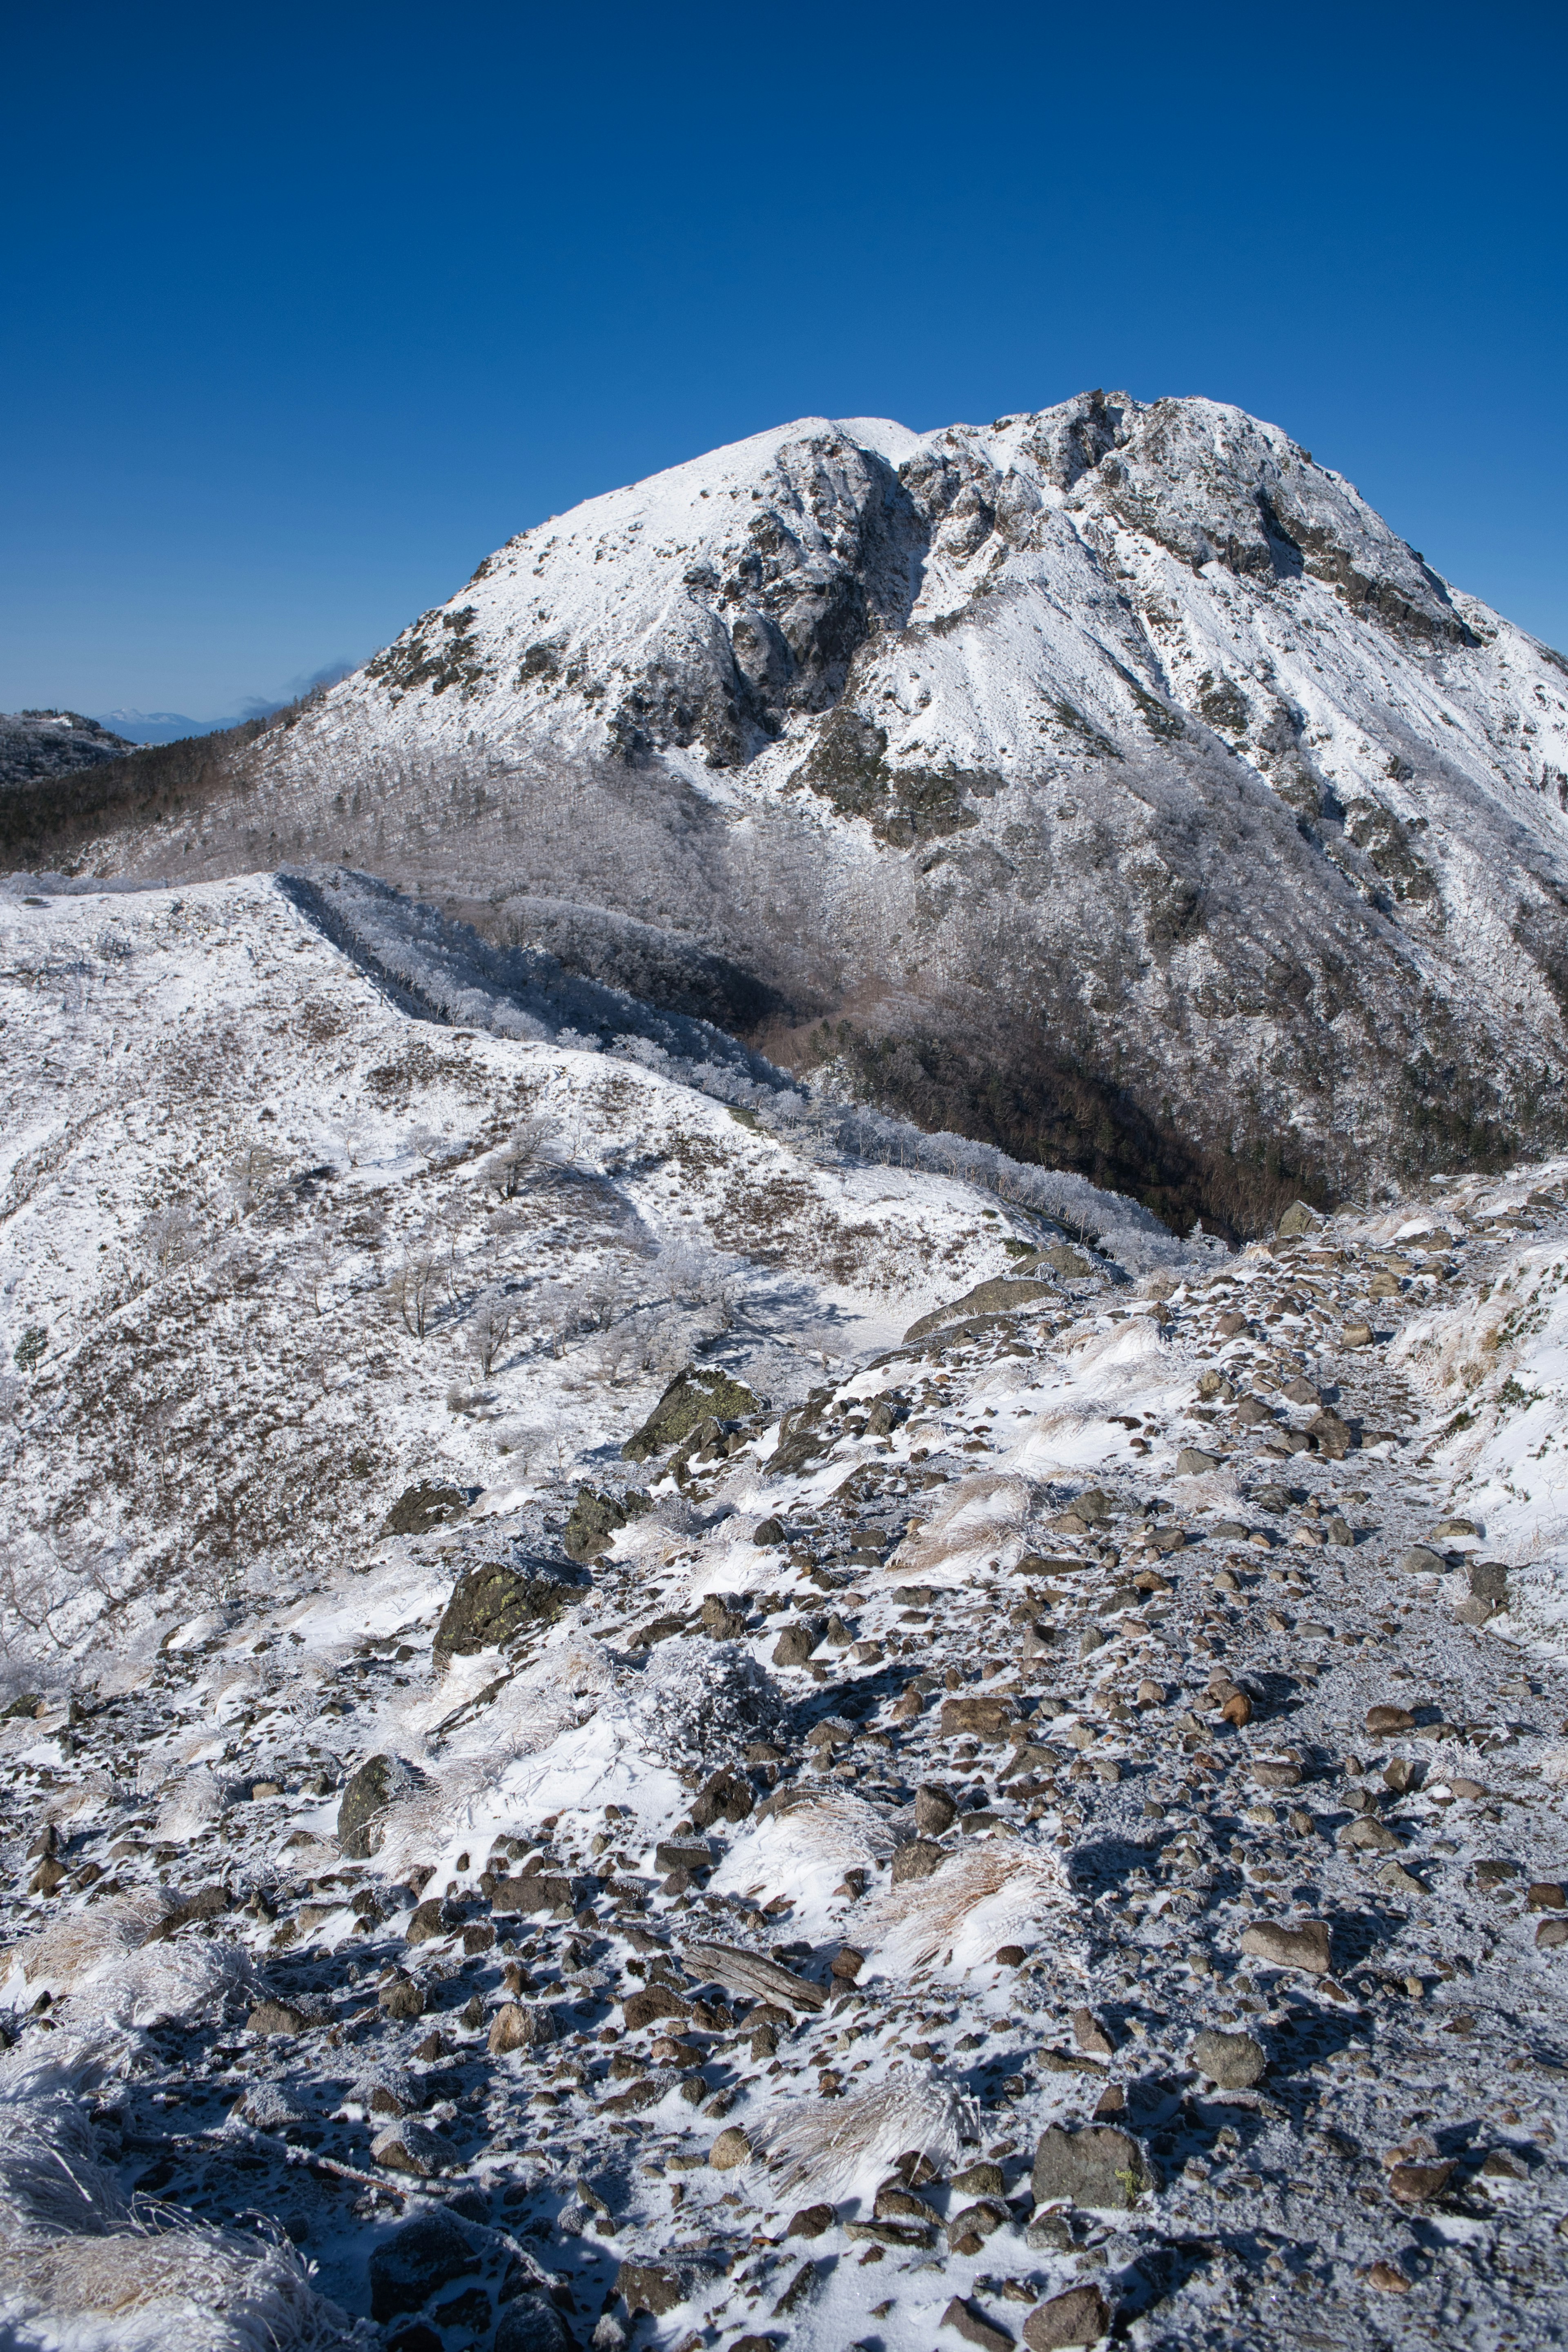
(308, 309)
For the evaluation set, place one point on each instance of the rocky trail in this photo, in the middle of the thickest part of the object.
(1058, 1835)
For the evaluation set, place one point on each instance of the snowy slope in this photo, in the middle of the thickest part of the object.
(858, 1909)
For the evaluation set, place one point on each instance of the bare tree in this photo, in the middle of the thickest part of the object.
(412, 1287)
(524, 1155)
(489, 1326)
(168, 1237)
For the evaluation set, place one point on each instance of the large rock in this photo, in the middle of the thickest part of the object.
(596, 1520)
(694, 1395)
(980, 1718)
(1305, 1947)
(1297, 1219)
(1082, 2315)
(520, 2025)
(409, 2146)
(420, 1510)
(414, 2260)
(1006, 1295)
(491, 1605)
(796, 1643)
(1233, 2062)
(1098, 2167)
(367, 1794)
(532, 2324)
(917, 1858)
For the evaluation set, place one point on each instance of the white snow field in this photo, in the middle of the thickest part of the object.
(637, 1715)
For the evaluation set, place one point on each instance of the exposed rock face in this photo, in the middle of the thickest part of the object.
(489, 1605)
(1270, 817)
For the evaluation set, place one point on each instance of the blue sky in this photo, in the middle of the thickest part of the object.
(306, 310)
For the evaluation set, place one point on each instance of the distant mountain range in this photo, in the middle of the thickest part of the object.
(160, 726)
(1109, 783)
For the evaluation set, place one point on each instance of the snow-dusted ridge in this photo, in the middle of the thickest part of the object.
(897, 1826)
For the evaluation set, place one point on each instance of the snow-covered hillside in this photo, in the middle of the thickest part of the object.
(1114, 772)
(632, 1717)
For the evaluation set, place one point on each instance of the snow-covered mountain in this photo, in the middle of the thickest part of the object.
(1112, 777)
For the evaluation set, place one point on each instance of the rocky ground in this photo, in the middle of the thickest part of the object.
(1058, 1835)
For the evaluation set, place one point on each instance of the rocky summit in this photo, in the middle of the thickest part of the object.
(1111, 783)
(644, 1709)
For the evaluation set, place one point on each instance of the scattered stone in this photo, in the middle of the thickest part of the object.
(362, 1811)
(1082, 2315)
(1419, 1559)
(976, 1719)
(1546, 1895)
(796, 1643)
(1233, 2062)
(1305, 1947)
(1089, 2036)
(1192, 1462)
(917, 1858)
(1386, 1722)
(1297, 1221)
(1097, 2165)
(654, 2002)
(278, 2017)
(811, 2221)
(595, 1522)
(979, 2180)
(402, 1998)
(1417, 2184)
(654, 2287)
(520, 2025)
(428, 1921)
(1356, 1335)
(767, 1534)
(416, 2259)
(410, 2146)
(532, 2324)
(936, 1809)
(968, 2320)
(420, 1510)
(1388, 2279)
(731, 2148)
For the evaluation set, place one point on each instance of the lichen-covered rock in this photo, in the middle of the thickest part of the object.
(362, 1810)
(596, 1520)
(1232, 2061)
(1098, 2167)
(423, 1507)
(1007, 1294)
(697, 1395)
(491, 1605)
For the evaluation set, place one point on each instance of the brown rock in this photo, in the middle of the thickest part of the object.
(1382, 1722)
(1415, 2184)
(1233, 2062)
(1388, 2279)
(1551, 1935)
(277, 2017)
(918, 1858)
(402, 1998)
(1082, 2315)
(520, 2025)
(1332, 1434)
(968, 2320)
(731, 2148)
(796, 1643)
(978, 1718)
(1305, 1947)
(936, 1809)
(652, 2287)
(429, 1920)
(655, 2001)
(1547, 1894)
(811, 2221)
(1098, 2167)
(1237, 1708)
(1090, 2035)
